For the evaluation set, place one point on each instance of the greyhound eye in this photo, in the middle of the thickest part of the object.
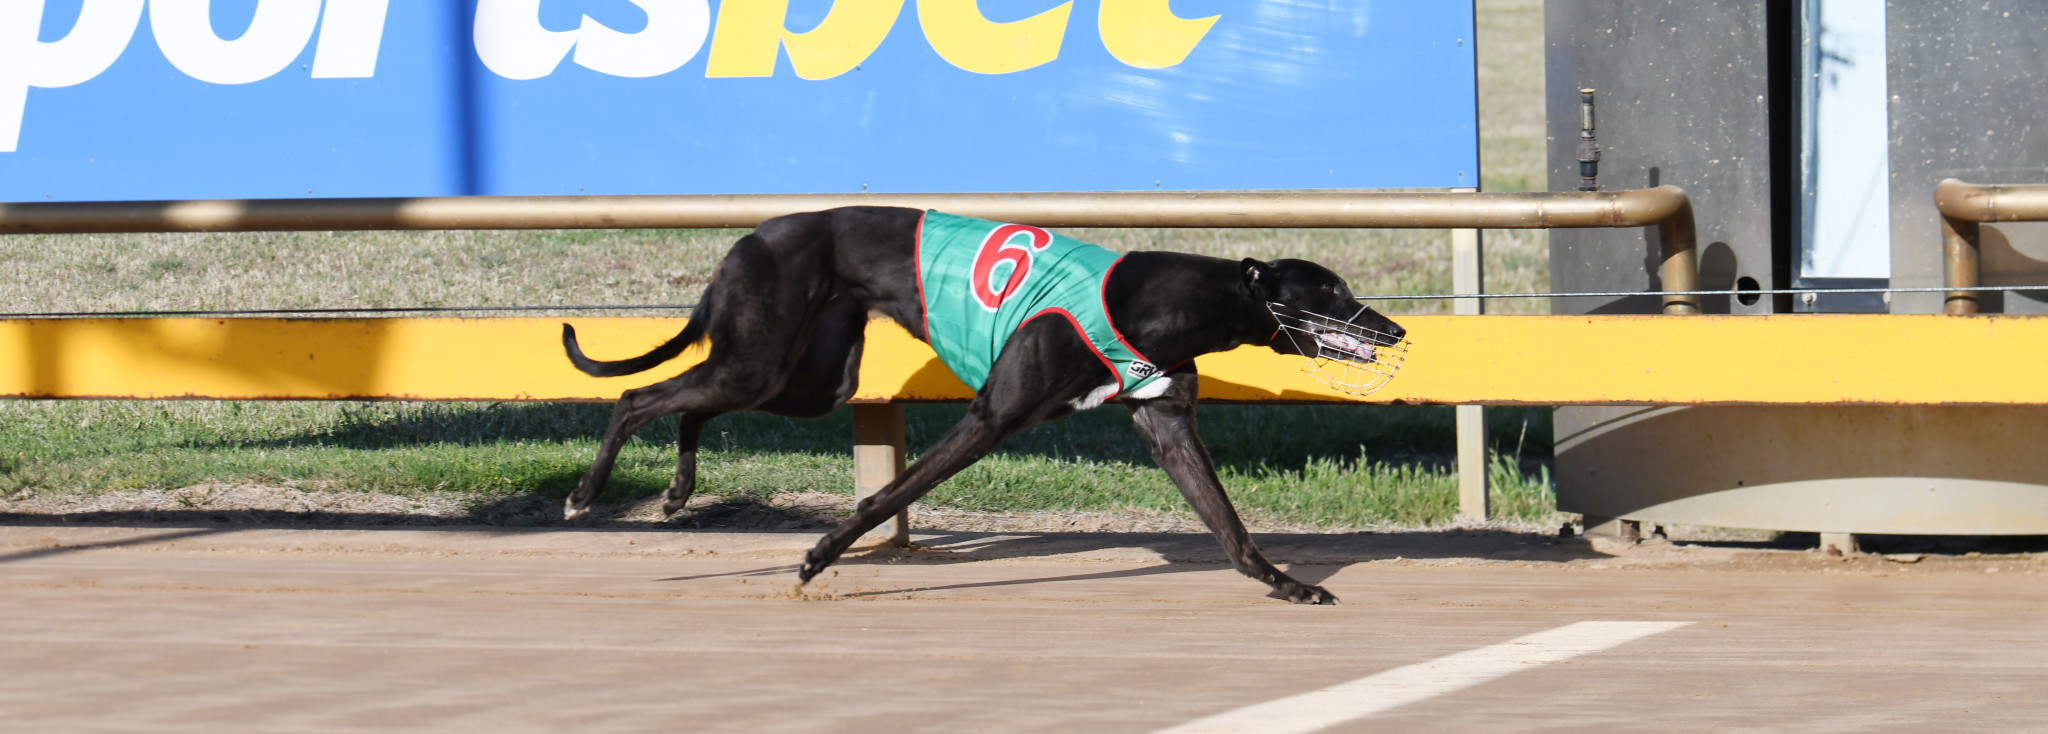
(1330, 289)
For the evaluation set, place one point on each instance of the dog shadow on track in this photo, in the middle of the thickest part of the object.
(1310, 557)
(523, 511)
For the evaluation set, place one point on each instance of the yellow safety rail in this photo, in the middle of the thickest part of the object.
(1544, 360)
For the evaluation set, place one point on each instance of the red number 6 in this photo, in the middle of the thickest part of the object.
(998, 249)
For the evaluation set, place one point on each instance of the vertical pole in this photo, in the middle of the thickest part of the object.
(1839, 544)
(1467, 276)
(878, 460)
(1960, 269)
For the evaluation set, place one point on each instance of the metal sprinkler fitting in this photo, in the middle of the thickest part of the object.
(1589, 149)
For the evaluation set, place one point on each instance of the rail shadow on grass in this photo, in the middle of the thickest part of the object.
(1241, 437)
(1336, 465)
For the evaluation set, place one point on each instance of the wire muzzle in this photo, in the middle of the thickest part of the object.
(1348, 357)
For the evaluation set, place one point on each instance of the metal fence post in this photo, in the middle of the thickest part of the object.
(878, 458)
(1467, 276)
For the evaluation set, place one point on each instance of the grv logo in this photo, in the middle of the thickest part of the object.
(747, 39)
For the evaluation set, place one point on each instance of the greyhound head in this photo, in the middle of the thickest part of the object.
(1348, 346)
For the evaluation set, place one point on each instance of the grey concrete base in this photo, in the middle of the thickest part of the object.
(1626, 531)
(1861, 469)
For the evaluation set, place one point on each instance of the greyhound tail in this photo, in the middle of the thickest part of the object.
(700, 321)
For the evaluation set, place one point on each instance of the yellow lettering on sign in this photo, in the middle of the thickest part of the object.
(969, 40)
(750, 31)
(1146, 34)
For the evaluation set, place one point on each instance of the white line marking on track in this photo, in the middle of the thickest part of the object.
(1408, 684)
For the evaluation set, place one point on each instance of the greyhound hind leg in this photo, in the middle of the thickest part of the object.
(825, 376)
(828, 371)
(698, 394)
(757, 325)
(689, 434)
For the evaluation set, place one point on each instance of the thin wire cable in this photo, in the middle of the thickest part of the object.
(336, 311)
(1760, 292)
(678, 307)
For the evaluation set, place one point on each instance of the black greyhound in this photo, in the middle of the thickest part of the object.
(786, 312)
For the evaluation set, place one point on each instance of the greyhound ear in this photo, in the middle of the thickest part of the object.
(1257, 279)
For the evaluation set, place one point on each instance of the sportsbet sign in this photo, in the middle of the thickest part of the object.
(174, 99)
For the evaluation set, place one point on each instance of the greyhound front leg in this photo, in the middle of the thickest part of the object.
(1168, 424)
(967, 442)
(1033, 381)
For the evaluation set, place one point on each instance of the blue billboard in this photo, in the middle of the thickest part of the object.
(106, 100)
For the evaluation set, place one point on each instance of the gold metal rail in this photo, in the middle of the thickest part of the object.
(1666, 207)
(1963, 207)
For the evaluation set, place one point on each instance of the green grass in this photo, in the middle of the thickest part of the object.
(1324, 465)
(1327, 465)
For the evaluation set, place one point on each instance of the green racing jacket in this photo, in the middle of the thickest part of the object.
(981, 281)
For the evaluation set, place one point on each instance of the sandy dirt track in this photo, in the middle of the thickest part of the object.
(238, 629)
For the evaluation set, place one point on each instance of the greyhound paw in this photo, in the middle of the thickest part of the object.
(1305, 594)
(570, 510)
(814, 564)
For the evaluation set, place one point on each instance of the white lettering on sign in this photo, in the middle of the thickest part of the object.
(512, 43)
(103, 30)
(276, 36)
(675, 32)
(351, 32)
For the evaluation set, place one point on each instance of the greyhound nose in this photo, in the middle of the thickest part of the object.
(1396, 331)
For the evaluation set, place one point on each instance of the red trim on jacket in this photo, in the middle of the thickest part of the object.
(1107, 316)
(1076, 323)
(917, 263)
